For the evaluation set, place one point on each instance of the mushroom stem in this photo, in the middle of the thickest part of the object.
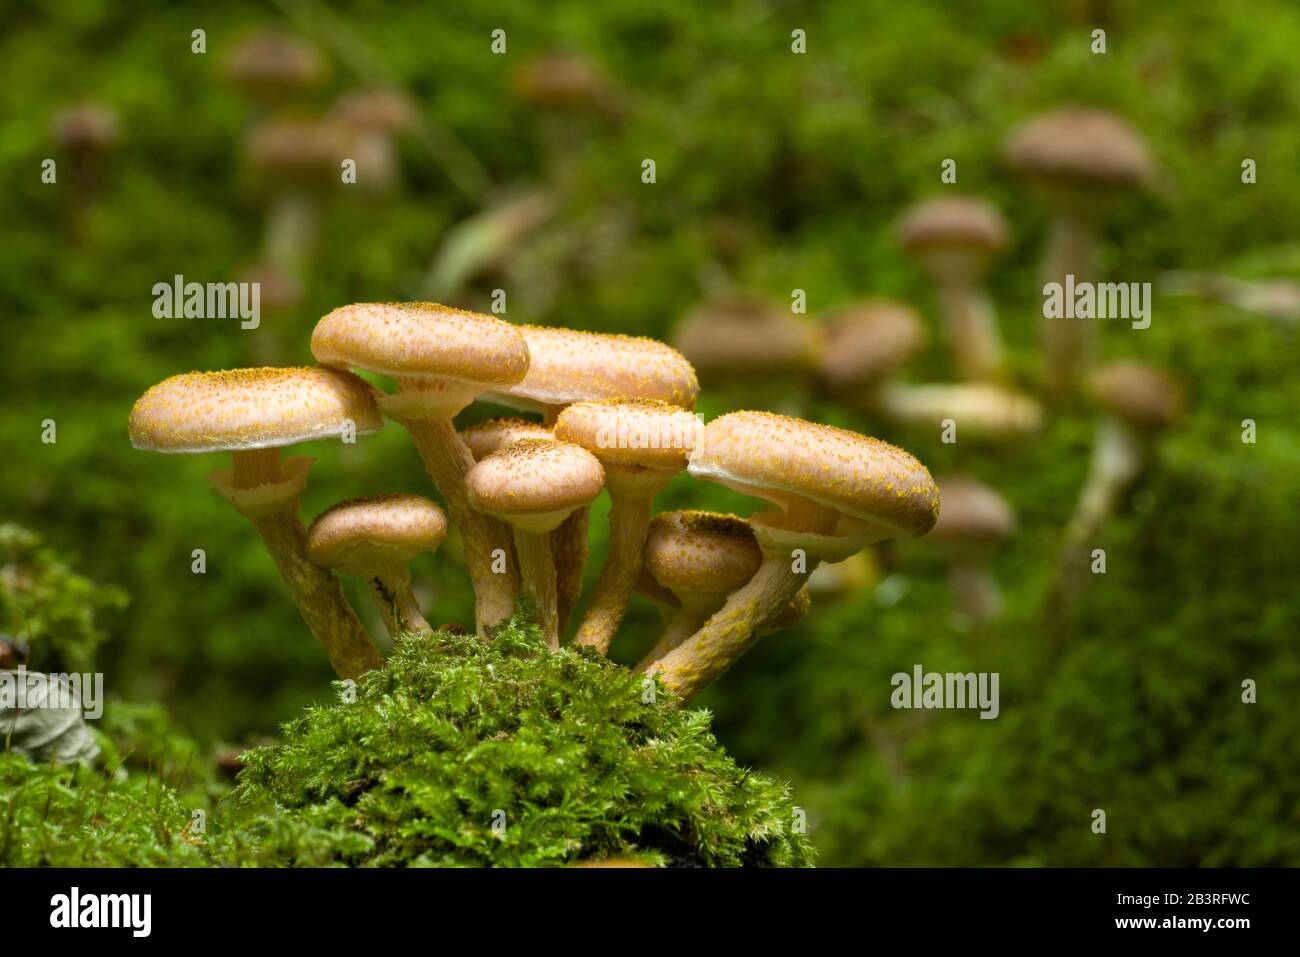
(975, 592)
(629, 526)
(254, 467)
(538, 571)
(397, 605)
(972, 330)
(317, 593)
(447, 459)
(729, 633)
(570, 548)
(291, 228)
(689, 619)
(1068, 344)
(1116, 462)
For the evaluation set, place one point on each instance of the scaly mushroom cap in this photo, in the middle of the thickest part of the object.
(252, 409)
(571, 366)
(414, 340)
(637, 432)
(746, 336)
(1144, 397)
(486, 437)
(1080, 146)
(706, 552)
(971, 513)
(85, 127)
(959, 221)
(380, 110)
(882, 490)
(869, 341)
(535, 483)
(357, 534)
(274, 63)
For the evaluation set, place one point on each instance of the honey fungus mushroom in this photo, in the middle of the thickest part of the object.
(835, 492)
(642, 444)
(973, 521)
(375, 538)
(746, 338)
(442, 359)
(535, 484)
(252, 413)
(867, 343)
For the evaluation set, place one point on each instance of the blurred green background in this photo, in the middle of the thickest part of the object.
(775, 171)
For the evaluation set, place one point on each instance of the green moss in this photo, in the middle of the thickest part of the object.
(461, 752)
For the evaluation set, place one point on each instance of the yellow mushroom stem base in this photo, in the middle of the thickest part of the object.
(569, 545)
(689, 619)
(629, 526)
(447, 459)
(391, 590)
(537, 568)
(699, 661)
(317, 593)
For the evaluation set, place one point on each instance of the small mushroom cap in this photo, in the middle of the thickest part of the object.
(705, 552)
(746, 336)
(775, 457)
(486, 437)
(358, 533)
(252, 409)
(1081, 146)
(959, 221)
(379, 110)
(971, 513)
(421, 340)
(273, 63)
(562, 81)
(535, 477)
(295, 151)
(1144, 397)
(85, 127)
(571, 366)
(868, 341)
(980, 410)
(636, 432)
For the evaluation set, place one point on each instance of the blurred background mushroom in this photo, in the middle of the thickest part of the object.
(85, 133)
(974, 520)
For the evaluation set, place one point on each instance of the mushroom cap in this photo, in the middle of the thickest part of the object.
(1079, 145)
(562, 81)
(980, 410)
(85, 127)
(297, 150)
(868, 341)
(1142, 396)
(252, 409)
(421, 340)
(971, 513)
(486, 437)
(706, 552)
(273, 62)
(571, 366)
(959, 221)
(377, 110)
(535, 477)
(636, 432)
(355, 534)
(776, 457)
(748, 336)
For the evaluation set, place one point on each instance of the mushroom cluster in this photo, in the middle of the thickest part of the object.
(614, 413)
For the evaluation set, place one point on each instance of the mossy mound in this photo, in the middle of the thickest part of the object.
(461, 752)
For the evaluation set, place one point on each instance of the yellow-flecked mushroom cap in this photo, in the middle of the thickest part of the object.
(885, 491)
(535, 483)
(971, 514)
(486, 437)
(252, 409)
(1079, 145)
(1144, 397)
(570, 366)
(421, 340)
(635, 432)
(869, 341)
(353, 535)
(706, 552)
(950, 222)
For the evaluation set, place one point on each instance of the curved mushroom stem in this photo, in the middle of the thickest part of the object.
(976, 595)
(629, 527)
(690, 617)
(972, 330)
(1068, 344)
(391, 589)
(487, 540)
(537, 568)
(729, 633)
(1117, 459)
(291, 229)
(570, 548)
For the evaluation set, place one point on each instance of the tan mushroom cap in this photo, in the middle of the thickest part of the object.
(274, 62)
(1141, 395)
(980, 409)
(421, 340)
(707, 552)
(868, 341)
(486, 437)
(776, 457)
(571, 366)
(353, 534)
(535, 477)
(1082, 145)
(85, 127)
(971, 513)
(378, 110)
(294, 149)
(957, 221)
(252, 409)
(746, 335)
(563, 81)
(636, 432)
